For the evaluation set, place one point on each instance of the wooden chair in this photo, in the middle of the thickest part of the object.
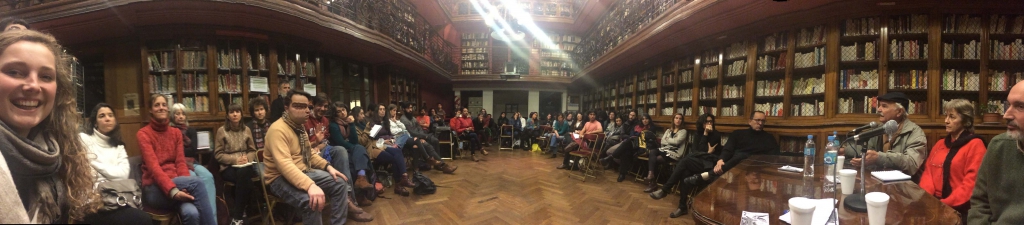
(444, 137)
(542, 140)
(587, 155)
(270, 199)
(506, 133)
(162, 217)
(228, 186)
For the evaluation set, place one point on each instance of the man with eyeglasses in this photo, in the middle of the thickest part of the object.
(300, 178)
(905, 151)
(742, 144)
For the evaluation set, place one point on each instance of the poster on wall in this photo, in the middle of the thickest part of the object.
(131, 104)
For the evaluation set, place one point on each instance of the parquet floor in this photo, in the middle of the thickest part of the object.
(521, 187)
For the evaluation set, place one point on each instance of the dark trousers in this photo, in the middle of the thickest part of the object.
(569, 148)
(394, 157)
(474, 141)
(120, 216)
(686, 167)
(625, 152)
(654, 156)
(242, 177)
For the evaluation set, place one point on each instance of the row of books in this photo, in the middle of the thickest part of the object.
(229, 59)
(686, 111)
(809, 59)
(466, 43)
(647, 84)
(1007, 51)
(681, 95)
(770, 108)
(776, 41)
(475, 64)
(554, 54)
(304, 68)
(708, 110)
(809, 85)
(473, 71)
(260, 61)
(994, 106)
(682, 78)
(474, 50)
(919, 107)
(710, 72)
(958, 80)
(231, 83)
(163, 84)
(913, 79)
(474, 56)
(867, 105)
(858, 52)
(811, 36)
(710, 56)
(862, 26)
(196, 103)
(626, 101)
(737, 68)
(476, 35)
(969, 50)
(234, 100)
(909, 24)
(627, 88)
(649, 99)
(161, 61)
(732, 91)
(555, 64)
(1003, 24)
(1002, 80)
(732, 110)
(907, 50)
(771, 88)
(557, 72)
(852, 79)
(194, 82)
(961, 24)
(767, 63)
(708, 93)
(736, 50)
(194, 59)
(816, 108)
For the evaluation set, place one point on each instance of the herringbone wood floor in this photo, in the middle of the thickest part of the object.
(521, 187)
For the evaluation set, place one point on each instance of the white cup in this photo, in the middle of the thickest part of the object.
(801, 211)
(877, 203)
(847, 178)
(839, 162)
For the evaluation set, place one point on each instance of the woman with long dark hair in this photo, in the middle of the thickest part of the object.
(702, 158)
(109, 160)
(673, 145)
(591, 127)
(384, 153)
(627, 150)
(234, 149)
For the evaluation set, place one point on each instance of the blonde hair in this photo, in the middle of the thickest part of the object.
(966, 111)
(62, 124)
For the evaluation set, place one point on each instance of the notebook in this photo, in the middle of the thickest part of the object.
(374, 131)
(891, 175)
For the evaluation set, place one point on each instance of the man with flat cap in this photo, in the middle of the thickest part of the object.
(905, 151)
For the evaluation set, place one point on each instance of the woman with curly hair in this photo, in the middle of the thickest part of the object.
(39, 134)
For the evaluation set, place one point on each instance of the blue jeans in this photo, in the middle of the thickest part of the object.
(211, 187)
(196, 212)
(334, 192)
(401, 139)
(554, 143)
(339, 160)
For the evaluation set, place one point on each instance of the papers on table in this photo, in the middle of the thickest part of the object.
(892, 175)
(754, 218)
(822, 211)
(794, 169)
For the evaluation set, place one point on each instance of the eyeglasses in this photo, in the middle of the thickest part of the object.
(301, 106)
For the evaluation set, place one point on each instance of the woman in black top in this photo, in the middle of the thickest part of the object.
(707, 149)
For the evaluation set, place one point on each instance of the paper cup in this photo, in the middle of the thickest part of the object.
(839, 162)
(877, 203)
(801, 211)
(847, 178)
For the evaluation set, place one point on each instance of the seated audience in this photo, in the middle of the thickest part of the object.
(463, 126)
(706, 152)
(624, 152)
(234, 145)
(559, 129)
(591, 127)
(997, 190)
(673, 144)
(382, 154)
(428, 141)
(952, 165)
(191, 144)
(259, 123)
(109, 163)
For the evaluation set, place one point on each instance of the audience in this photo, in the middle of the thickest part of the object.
(102, 137)
(277, 107)
(166, 180)
(742, 144)
(428, 141)
(463, 126)
(673, 144)
(518, 123)
(259, 123)
(953, 163)
(344, 134)
(307, 181)
(559, 129)
(905, 151)
(997, 190)
(235, 147)
(706, 152)
(190, 143)
(379, 153)
(624, 152)
(440, 111)
(580, 122)
(529, 129)
(424, 120)
(591, 127)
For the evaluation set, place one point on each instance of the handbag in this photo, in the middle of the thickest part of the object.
(120, 193)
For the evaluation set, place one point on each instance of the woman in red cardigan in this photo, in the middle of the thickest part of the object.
(953, 163)
(166, 183)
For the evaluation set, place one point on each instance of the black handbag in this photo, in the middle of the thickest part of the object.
(120, 193)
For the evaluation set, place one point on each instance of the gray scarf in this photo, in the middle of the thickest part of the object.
(35, 179)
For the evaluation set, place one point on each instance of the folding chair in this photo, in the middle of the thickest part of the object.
(587, 155)
(542, 140)
(510, 136)
(444, 137)
(270, 199)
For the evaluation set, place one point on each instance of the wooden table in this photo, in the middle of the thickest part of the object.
(756, 185)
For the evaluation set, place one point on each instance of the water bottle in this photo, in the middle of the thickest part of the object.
(809, 157)
(831, 150)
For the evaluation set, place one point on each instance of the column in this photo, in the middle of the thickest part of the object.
(534, 103)
(488, 101)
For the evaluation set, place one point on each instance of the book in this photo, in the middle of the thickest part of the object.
(889, 176)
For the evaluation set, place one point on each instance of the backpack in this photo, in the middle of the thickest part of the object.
(424, 186)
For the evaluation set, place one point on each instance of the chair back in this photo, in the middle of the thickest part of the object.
(506, 128)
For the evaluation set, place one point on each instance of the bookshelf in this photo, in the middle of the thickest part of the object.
(555, 58)
(710, 90)
(229, 73)
(770, 73)
(475, 53)
(1006, 55)
(647, 91)
(624, 18)
(403, 88)
(734, 81)
(960, 63)
(195, 92)
(257, 72)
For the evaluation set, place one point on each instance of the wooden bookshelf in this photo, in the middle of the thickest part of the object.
(476, 53)
(556, 57)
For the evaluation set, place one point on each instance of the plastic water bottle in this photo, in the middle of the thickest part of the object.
(831, 150)
(809, 157)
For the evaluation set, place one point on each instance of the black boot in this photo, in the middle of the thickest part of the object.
(658, 194)
(621, 178)
(679, 212)
(693, 180)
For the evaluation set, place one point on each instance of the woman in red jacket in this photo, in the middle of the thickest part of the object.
(165, 178)
(953, 163)
(463, 126)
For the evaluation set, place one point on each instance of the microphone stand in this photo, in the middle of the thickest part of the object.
(855, 202)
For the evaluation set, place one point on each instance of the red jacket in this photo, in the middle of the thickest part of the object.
(314, 124)
(962, 171)
(460, 124)
(163, 155)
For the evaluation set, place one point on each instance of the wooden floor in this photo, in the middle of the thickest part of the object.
(521, 187)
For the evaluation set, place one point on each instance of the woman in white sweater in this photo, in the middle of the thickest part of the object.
(673, 145)
(109, 162)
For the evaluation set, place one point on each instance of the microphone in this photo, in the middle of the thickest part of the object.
(890, 127)
(873, 124)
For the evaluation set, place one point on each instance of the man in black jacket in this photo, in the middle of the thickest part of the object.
(431, 141)
(742, 144)
(277, 107)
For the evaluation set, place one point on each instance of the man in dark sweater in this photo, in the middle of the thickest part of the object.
(743, 144)
(430, 141)
(277, 107)
(998, 187)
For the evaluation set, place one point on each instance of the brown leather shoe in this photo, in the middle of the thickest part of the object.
(365, 202)
(433, 162)
(353, 208)
(446, 168)
(406, 181)
(360, 217)
(399, 190)
(475, 159)
(362, 183)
